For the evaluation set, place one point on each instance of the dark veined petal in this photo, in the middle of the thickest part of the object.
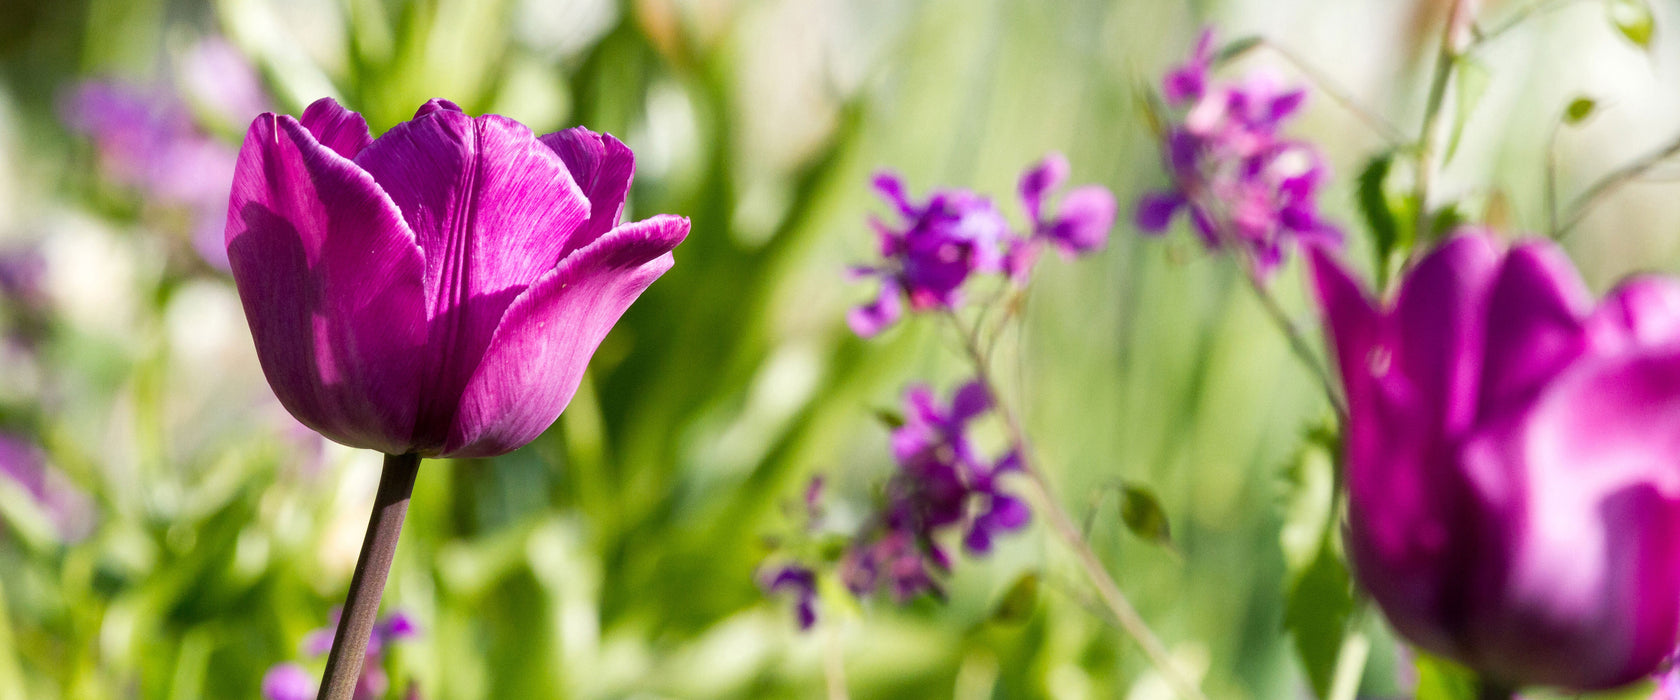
(1534, 325)
(492, 209)
(603, 168)
(537, 357)
(331, 282)
(340, 129)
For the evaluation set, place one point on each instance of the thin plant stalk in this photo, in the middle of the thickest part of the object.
(1125, 614)
(1453, 44)
(1389, 133)
(834, 663)
(1615, 180)
(361, 605)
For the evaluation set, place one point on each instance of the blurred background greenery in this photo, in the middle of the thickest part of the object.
(196, 534)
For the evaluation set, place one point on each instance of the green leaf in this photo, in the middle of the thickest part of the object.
(1472, 84)
(1439, 679)
(1389, 208)
(1634, 19)
(1316, 615)
(1018, 603)
(1143, 514)
(1579, 110)
(1235, 49)
(1373, 206)
(890, 418)
(1446, 219)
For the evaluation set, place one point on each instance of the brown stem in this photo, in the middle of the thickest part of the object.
(361, 605)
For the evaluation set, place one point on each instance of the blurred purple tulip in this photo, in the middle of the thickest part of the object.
(440, 289)
(1513, 460)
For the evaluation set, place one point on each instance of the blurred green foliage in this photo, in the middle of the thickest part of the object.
(615, 557)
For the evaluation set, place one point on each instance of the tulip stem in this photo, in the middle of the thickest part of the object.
(361, 605)
(1064, 526)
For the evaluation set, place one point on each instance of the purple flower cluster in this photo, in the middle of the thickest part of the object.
(290, 681)
(956, 234)
(942, 485)
(1241, 182)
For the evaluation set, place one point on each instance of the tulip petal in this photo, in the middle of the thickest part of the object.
(1640, 312)
(1439, 317)
(603, 168)
(1351, 322)
(1534, 328)
(492, 209)
(535, 361)
(1603, 529)
(331, 282)
(340, 129)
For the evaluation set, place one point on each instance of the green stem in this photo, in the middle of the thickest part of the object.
(1608, 184)
(1445, 60)
(1125, 614)
(361, 605)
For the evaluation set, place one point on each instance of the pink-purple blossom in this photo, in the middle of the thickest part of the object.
(1513, 497)
(943, 484)
(1240, 183)
(289, 681)
(939, 244)
(1077, 224)
(956, 235)
(438, 290)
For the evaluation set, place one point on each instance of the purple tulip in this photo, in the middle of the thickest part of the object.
(438, 290)
(1513, 460)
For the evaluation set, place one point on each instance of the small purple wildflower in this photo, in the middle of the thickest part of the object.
(801, 582)
(288, 681)
(942, 241)
(1241, 183)
(1083, 221)
(942, 484)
